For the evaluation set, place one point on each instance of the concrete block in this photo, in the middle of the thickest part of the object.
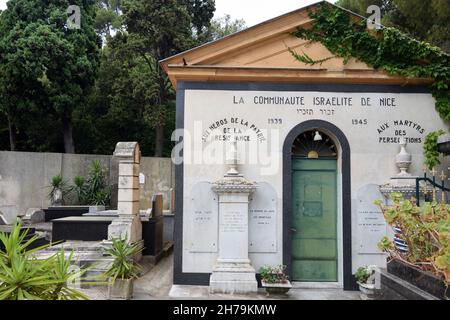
(126, 182)
(128, 208)
(128, 169)
(128, 195)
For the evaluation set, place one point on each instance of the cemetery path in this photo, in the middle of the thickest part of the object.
(156, 283)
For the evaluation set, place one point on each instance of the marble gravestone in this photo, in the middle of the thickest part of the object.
(205, 218)
(263, 219)
(371, 222)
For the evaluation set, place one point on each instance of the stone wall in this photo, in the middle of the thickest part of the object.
(24, 177)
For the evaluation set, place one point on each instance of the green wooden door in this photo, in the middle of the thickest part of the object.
(314, 223)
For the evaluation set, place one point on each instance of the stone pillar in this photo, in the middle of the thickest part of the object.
(128, 224)
(233, 272)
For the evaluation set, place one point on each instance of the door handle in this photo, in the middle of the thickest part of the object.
(293, 230)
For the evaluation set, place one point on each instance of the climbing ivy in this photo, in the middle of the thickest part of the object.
(430, 149)
(387, 49)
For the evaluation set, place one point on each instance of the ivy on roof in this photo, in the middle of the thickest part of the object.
(388, 49)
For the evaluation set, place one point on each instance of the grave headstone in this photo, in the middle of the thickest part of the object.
(157, 205)
(263, 219)
(205, 218)
(371, 222)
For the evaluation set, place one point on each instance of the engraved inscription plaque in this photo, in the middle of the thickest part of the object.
(263, 219)
(204, 222)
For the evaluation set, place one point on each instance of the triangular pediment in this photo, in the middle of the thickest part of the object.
(261, 53)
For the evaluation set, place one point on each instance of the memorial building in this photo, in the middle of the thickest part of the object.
(312, 143)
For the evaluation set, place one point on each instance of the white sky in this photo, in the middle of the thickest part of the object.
(256, 11)
(252, 11)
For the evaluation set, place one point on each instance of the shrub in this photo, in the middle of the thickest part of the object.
(426, 231)
(363, 274)
(25, 277)
(273, 274)
(124, 266)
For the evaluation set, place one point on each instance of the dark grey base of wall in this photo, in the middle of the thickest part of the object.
(202, 279)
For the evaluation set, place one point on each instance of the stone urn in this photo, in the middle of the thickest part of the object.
(57, 198)
(403, 159)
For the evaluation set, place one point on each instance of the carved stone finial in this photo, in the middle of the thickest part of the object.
(232, 160)
(403, 160)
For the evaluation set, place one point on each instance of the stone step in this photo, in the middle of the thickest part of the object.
(85, 254)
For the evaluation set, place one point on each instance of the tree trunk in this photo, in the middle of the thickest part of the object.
(12, 135)
(68, 137)
(159, 141)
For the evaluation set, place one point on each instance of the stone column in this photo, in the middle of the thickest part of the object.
(128, 224)
(233, 272)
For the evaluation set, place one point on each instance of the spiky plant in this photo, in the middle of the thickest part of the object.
(124, 266)
(25, 277)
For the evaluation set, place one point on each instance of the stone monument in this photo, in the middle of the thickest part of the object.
(128, 223)
(233, 272)
(403, 182)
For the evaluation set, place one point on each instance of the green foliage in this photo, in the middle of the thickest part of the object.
(108, 17)
(387, 49)
(223, 26)
(79, 188)
(423, 20)
(24, 277)
(132, 98)
(363, 273)
(273, 274)
(307, 59)
(426, 231)
(93, 190)
(44, 65)
(430, 149)
(124, 267)
(385, 244)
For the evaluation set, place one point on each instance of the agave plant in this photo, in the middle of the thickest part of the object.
(25, 277)
(97, 190)
(80, 189)
(124, 266)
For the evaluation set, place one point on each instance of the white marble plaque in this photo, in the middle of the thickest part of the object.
(204, 218)
(371, 222)
(262, 219)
